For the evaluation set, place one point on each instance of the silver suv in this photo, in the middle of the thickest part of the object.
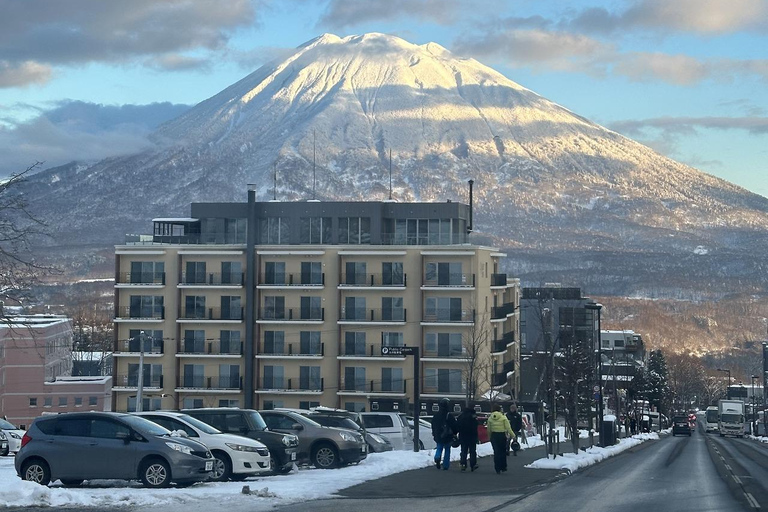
(325, 447)
(73, 447)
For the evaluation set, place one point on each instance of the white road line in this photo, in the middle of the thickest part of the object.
(752, 501)
(728, 467)
(738, 481)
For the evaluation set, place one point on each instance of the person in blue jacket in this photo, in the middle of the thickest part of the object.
(443, 429)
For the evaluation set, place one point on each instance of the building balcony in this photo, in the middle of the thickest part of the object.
(296, 315)
(302, 279)
(498, 280)
(440, 391)
(413, 239)
(292, 351)
(372, 350)
(372, 281)
(501, 345)
(209, 348)
(394, 388)
(445, 355)
(499, 379)
(503, 312)
(132, 348)
(228, 315)
(364, 316)
(211, 279)
(124, 382)
(140, 280)
(292, 386)
(200, 383)
(139, 314)
(440, 282)
(449, 317)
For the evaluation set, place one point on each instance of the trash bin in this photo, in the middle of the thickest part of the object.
(609, 432)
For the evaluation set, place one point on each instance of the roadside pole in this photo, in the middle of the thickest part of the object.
(410, 351)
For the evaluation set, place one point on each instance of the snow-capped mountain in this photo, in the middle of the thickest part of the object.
(568, 199)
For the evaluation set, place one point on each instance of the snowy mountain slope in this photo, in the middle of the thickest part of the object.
(548, 181)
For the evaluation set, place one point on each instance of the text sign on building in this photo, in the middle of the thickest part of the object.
(398, 351)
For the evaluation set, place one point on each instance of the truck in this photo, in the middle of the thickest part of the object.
(731, 417)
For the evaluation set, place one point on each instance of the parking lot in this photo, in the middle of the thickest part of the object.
(266, 492)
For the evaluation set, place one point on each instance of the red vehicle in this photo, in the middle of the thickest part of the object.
(692, 421)
(482, 428)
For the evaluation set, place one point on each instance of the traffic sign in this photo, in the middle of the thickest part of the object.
(398, 351)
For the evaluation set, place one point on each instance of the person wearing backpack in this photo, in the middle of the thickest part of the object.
(467, 427)
(499, 430)
(443, 430)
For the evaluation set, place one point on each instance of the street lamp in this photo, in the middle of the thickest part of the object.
(754, 403)
(596, 306)
(729, 380)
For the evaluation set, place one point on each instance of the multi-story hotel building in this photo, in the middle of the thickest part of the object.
(287, 304)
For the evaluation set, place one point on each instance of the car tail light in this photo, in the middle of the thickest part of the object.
(25, 439)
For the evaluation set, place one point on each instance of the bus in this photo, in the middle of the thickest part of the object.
(711, 418)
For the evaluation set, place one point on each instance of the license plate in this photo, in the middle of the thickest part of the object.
(293, 456)
(209, 465)
(363, 448)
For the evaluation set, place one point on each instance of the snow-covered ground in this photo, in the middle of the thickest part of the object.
(266, 492)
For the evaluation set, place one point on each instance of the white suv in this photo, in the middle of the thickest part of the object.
(237, 457)
(392, 425)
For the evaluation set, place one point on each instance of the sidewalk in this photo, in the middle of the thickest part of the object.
(430, 481)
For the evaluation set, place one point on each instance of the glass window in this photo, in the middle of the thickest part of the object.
(355, 230)
(392, 309)
(273, 377)
(311, 308)
(231, 272)
(392, 379)
(392, 339)
(310, 342)
(274, 342)
(230, 342)
(146, 306)
(147, 272)
(315, 230)
(107, 429)
(392, 274)
(354, 343)
(152, 340)
(309, 377)
(355, 272)
(354, 308)
(274, 307)
(78, 427)
(194, 341)
(231, 308)
(194, 306)
(274, 272)
(93, 400)
(193, 403)
(195, 273)
(229, 376)
(194, 376)
(274, 230)
(47, 401)
(311, 272)
(62, 401)
(354, 378)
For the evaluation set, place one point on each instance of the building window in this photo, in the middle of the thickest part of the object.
(392, 309)
(194, 307)
(444, 274)
(230, 342)
(229, 376)
(147, 404)
(354, 343)
(33, 402)
(151, 339)
(354, 308)
(195, 273)
(274, 272)
(443, 381)
(443, 309)
(354, 378)
(47, 401)
(304, 404)
(146, 306)
(426, 231)
(194, 341)
(443, 344)
(275, 231)
(355, 406)
(93, 401)
(392, 274)
(225, 402)
(311, 308)
(231, 308)
(392, 379)
(392, 339)
(153, 375)
(273, 404)
(147, 272)
(355, 230)
(274, 342)
(310, 343)
(311, 272)
(231, 272)
(273, 377)
(309, 377)
(193, 403)
(315, 230)
(355, 273)
(194, 376)
(62, 401)
(274, 308)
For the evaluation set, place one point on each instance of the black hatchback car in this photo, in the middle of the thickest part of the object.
(680, 425)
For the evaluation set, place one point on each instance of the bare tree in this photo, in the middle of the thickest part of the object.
(575, 368)
(478, 362)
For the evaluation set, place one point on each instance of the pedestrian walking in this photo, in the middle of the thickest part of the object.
(443, 430)
(516, 422)
(467, 427)
(500, 431)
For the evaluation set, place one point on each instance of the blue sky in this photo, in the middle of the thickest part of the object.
(86, 79)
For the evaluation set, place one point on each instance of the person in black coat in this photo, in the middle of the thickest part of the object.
(515, 421)
(443, 430)
(467, 427)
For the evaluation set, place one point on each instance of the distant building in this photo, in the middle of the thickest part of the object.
(622, 356)
(36, 369)
(289, 304)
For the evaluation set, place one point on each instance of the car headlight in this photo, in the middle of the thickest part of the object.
(346, 436)
(2, 435)
(242, 447)
(290, 440)
(377, 438)
(180, 448)
(15, 435)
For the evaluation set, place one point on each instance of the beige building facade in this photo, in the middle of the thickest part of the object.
(289, 305)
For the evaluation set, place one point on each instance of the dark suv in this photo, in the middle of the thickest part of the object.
(283, 448)
(680, 425)
(73, 447)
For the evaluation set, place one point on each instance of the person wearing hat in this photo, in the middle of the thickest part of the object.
(443, 430)
(467, 426)
(499, 430)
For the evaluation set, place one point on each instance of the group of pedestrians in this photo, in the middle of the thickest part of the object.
(449, 432)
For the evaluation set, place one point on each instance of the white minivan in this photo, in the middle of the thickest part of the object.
(392, 425)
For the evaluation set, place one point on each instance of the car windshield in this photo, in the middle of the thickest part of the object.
(305, 419)
(257, 420)
(199, 425)
(5, 425)
(729, 417)
(711, 416)
(329, 421)
(144, 426)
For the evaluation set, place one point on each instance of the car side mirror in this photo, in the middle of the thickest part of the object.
(125, 436)
(297, 426)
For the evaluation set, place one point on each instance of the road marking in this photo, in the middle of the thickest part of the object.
(738, 481)
(728, 467)
(752, 501)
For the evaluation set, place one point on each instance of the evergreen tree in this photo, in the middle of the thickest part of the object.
(657, 381)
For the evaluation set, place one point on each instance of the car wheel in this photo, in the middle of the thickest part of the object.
(36, 470)
(276, 468)
(71, 482)
(324, 456)
(155, 473)
(222, 467)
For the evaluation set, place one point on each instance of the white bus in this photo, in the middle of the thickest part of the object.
(711, 417)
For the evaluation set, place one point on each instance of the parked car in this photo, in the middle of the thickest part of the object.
(375, 442)
(12, 436)
(283, 448)
(426, 441)
(237, 457)
(73, 447)
(680, 425)
(392, 425)
(324, 447)
(3, 444)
